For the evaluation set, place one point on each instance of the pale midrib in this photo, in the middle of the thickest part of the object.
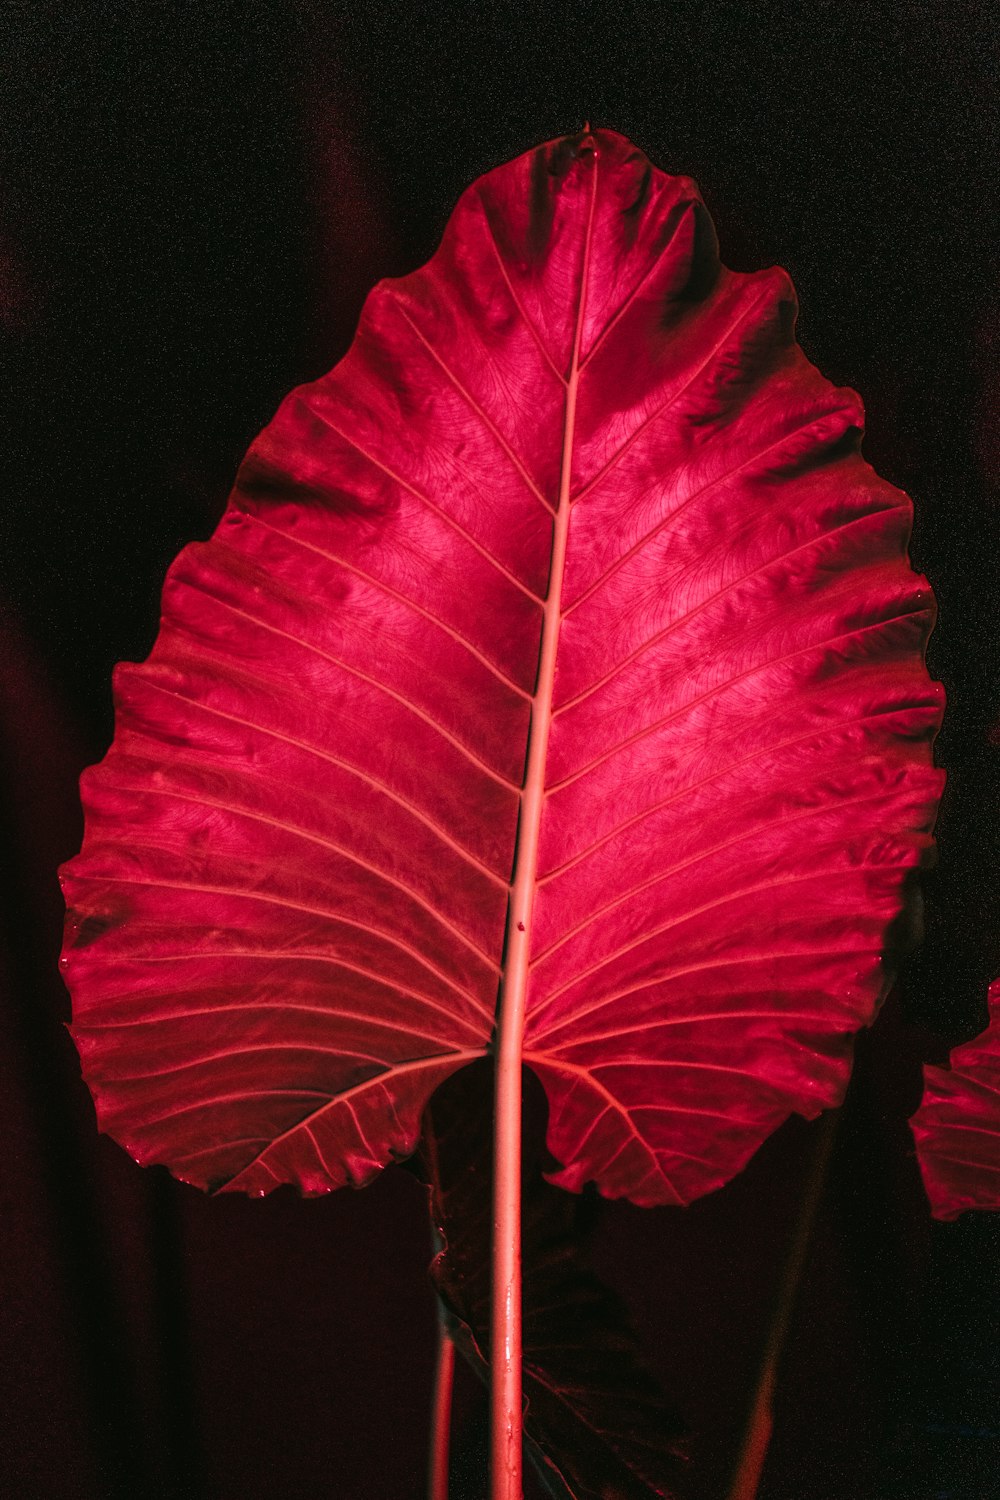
(525, 872)
(506, 1392)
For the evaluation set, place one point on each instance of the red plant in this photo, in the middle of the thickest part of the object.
(552, 688)
(957, 1127)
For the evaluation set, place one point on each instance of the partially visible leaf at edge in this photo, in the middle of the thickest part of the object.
(957, 1127)
(597, 1423)
(288, 923)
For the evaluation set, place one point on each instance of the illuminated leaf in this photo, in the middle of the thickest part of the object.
(957, 1127)
(288, 921)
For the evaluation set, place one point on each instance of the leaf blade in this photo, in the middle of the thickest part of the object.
(957, 1127)
(321, 764)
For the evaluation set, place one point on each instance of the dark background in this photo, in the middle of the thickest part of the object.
(194, 199)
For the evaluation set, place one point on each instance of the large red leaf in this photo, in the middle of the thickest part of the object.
(957, 1127)
(288, 919)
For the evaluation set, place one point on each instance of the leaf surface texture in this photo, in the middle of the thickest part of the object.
(288, 921)
(957, 1127)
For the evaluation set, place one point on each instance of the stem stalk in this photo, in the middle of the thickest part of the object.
(506, 1401)
(444, 1374)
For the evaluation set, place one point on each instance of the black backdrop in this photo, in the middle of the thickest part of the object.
(194, 199)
